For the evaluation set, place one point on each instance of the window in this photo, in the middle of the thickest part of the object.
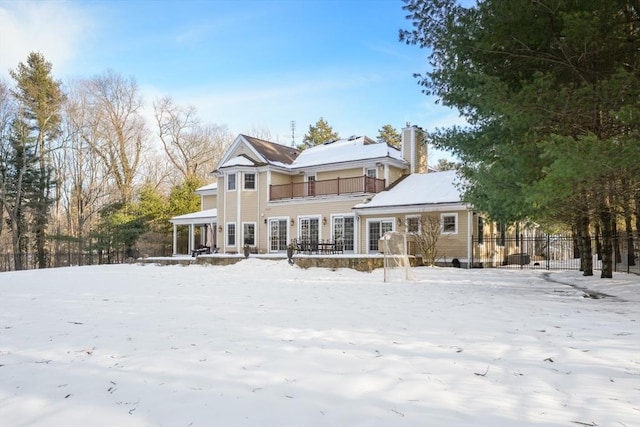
(480, 230)
(231, 234)
(249, 181)
(231, 182)
(376, 229)
(343, 230)
(249, 233)
(449, 223)
(413, 224)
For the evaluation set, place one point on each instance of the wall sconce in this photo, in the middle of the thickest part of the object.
(265, 220)
(324, 221)
(220, 228)
(399, 221)
(292, 222)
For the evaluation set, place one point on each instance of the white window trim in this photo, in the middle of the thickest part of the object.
(228, 181)
(227, 234)
(374, 169)
(255, 232)
(255, 181)
(392, 220)
(406, 222)
(442, 216)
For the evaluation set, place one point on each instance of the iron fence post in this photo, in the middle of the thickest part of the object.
(548, 251)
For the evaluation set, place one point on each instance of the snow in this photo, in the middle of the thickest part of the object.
(263, 343)
(344, 150)
(238, 161)
(206, 214)
(440, 188)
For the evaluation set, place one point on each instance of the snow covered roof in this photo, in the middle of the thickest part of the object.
(201, 217)
(345, 150)
(209, 187)
(238, 161)
(418, 189)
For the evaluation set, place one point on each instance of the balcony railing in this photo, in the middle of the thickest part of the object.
(327, 187)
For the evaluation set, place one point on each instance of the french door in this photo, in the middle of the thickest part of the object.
(277, 235)
(343, 229)
(375, 230)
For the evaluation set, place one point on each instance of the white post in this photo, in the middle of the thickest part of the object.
(175, 238)
(190, 246)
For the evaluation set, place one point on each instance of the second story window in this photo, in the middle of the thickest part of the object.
(249, 181)
(231, 182)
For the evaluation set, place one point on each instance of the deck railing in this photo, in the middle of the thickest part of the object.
(327, 187)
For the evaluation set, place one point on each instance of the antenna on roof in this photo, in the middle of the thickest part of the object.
(293, 133)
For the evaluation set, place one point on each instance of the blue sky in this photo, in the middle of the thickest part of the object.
(245, 64)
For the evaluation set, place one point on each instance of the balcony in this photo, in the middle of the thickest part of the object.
(327, 187)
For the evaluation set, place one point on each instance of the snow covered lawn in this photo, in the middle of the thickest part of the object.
(262, 343)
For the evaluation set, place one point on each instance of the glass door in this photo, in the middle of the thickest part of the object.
(277, 235)
(376, 229)
(343, 230)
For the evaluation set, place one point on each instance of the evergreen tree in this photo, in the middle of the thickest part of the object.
(20, 174)
(41, 98)
(446, 165)
(551, 92)
(318, 134)
(390, 135)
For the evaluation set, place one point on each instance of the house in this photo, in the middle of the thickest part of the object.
(351, 191)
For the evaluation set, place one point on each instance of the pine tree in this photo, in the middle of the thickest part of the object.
(318, 134)
(550, 90)
(390, 135)
(20, 173)
(41, 98)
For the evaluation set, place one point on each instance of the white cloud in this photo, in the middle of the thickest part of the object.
(55, 29)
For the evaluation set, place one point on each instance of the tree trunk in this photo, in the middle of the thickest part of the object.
(586, 260)
(631, 261)
(607, 243)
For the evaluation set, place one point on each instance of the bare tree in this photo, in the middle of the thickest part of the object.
(115, 107)
(7, 112)
(427, 238)
(82, 186)
(192, 147)
(262, 133)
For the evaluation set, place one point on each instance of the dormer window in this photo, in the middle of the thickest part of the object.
(231, 182)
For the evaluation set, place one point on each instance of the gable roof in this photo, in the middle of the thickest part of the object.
(418, 190)
(241, 160)
(346, 150)
(272, 152)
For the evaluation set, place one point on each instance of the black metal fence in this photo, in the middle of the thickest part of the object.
(552, 252)
(65, 259)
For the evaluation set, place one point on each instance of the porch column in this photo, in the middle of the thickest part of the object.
(175, 238)
(190, 246)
